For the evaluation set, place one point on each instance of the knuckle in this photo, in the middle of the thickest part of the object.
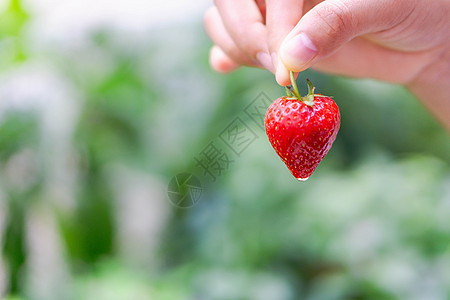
(337, 16)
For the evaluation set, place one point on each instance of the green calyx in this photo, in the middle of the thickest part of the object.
(309, 99)
(292, 91)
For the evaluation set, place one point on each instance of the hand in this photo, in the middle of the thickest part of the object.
(402, 41)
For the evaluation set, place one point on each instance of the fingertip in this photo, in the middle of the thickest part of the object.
(282, 74)
(220, 62)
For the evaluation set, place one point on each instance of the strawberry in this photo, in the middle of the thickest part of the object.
(302, 129)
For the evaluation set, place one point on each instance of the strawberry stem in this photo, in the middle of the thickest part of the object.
(294, 86)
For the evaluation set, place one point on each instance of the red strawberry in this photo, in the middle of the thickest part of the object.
(302, 129)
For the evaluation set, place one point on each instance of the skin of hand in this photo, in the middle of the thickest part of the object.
(402, 41)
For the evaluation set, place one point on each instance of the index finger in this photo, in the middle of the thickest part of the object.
(281, 18)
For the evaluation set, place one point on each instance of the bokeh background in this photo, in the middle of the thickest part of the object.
(103, 102)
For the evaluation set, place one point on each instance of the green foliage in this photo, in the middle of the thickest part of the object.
(12, 21)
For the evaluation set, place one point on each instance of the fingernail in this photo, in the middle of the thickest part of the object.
(265, 60)
(298, 50)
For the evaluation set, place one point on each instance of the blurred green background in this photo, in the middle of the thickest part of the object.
(103, 102)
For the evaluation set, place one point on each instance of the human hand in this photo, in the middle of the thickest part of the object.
(402, 41)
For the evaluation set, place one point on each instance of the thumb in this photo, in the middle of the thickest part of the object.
(330, 24)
